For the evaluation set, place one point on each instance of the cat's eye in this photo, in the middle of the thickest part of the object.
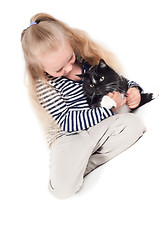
(101, 79)
(91, 85)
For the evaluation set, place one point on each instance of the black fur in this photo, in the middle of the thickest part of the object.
(99, 80)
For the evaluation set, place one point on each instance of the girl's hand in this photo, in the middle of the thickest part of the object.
(133, 97)
(117, 97)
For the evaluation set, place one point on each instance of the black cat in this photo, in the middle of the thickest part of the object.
(99, 80)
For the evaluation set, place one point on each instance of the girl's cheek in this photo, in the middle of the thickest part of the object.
(61, 73)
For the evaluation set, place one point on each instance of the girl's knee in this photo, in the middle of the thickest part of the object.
(129, 126)
(135, 123)
(134, 127)
(63, 190)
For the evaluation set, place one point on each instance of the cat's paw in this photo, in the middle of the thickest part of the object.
(108, 102)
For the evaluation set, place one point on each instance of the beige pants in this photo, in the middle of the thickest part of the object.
(74, 156)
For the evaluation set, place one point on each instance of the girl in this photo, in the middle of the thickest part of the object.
(80, 138)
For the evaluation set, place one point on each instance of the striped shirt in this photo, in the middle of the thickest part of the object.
(65, 101)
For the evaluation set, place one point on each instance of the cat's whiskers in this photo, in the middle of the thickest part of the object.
(113, 86)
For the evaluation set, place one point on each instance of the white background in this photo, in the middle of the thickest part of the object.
(120, 199)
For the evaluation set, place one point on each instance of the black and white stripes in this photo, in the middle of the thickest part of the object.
(64, 99)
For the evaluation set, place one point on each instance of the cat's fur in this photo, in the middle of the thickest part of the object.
(99, 80)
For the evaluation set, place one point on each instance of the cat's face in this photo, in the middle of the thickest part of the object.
(99, 80)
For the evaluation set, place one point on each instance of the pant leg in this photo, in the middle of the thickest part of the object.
(123, 132)
(69, 157)
(72, 157)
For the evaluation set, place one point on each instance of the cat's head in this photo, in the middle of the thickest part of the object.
(99, 79)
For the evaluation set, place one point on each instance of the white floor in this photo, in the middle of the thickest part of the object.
(119, 201)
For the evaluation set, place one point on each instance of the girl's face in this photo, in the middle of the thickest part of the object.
(59, 62)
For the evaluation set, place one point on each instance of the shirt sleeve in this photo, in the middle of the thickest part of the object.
(70, 119)
(134, 84)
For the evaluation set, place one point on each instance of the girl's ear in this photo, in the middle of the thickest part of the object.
(102, 64)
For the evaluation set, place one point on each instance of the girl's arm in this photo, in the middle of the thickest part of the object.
(71, 116)
(133, 94)
(132, 84)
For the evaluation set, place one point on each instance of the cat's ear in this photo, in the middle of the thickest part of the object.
(102, 64)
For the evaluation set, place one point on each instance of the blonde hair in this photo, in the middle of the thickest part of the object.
(46, 35)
